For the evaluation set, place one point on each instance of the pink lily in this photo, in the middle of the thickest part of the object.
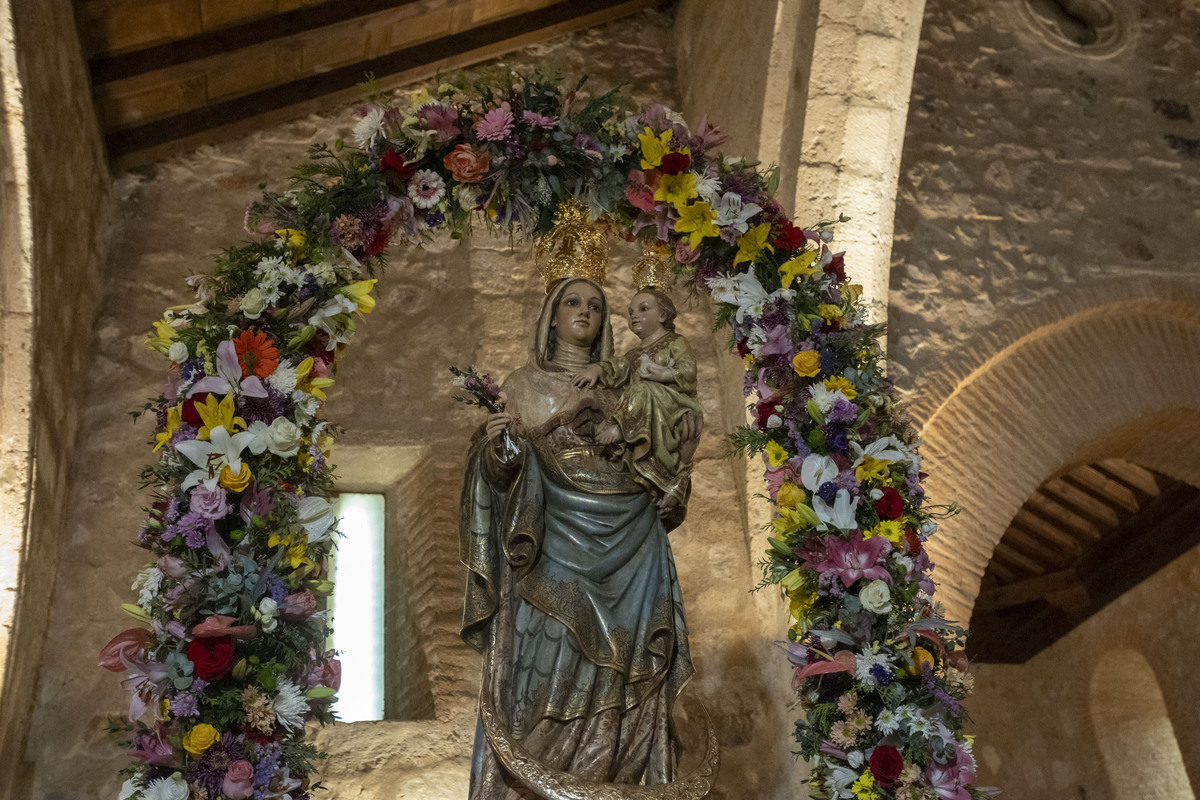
(229, 376)
(147, 682)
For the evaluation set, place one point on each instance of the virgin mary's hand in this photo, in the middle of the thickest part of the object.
(497, 424)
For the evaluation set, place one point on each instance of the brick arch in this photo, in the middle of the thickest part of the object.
(1116, 380)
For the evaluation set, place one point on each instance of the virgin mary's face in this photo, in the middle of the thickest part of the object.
(577, 319)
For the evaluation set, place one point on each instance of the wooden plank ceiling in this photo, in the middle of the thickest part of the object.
(1081, 541)
(169, 75)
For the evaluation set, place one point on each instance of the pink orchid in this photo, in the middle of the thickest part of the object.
(850, 559)
(950, 780)
(779, 343)
(256, 503)
(223, 626)
(229, 376)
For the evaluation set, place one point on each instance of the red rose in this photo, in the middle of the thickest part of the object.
(788, 237)
(891, 505)
(886, 765)
(189, 413)
(393, 162)
(212, 656)
(675, 163)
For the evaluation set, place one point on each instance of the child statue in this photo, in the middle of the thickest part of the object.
(652, 428)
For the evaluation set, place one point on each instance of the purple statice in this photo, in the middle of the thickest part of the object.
(276, 589)
(748, 383)
(192, 526)
(842, 411)
(265, 767)
(935, 689)
(836, 440)
(705, 269)
(827, 491)
(309, 288)
(778, 370)
(881, 674)
(211, 768)
(828, 362)
(846, 480)
(263, 409)
(185, 704)
(318, 460)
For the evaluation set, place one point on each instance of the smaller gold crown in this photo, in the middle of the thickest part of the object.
(655, 267)
(577, 246)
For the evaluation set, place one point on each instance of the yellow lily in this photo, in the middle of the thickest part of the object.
(214, 414)
(313, 386)
(793, 520)
(174, 420)
(753, 242)
(360, 293)
(796, 267)
(654, 147)
(162, 337)
(699, 220)
(677, 189)
(789, 495)
(872, 468)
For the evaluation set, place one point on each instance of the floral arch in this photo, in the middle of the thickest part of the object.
(228, 660)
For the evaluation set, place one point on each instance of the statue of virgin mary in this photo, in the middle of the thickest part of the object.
(572, 595)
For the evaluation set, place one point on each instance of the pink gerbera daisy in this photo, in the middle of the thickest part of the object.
(496, 124)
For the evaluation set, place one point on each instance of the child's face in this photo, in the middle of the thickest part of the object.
(645, 317)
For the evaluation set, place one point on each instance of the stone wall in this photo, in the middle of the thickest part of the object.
(1044, 311)
(54, 172)
(441, 305)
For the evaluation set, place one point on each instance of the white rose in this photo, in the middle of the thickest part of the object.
(253, 304)
(178, 352)
(928, 528)
(876, 597)
(283, 437)
(854, 758)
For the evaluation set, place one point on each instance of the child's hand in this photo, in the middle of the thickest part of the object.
(587, 377)
(650, 370)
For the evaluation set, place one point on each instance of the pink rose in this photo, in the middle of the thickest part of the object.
(172, 566)
(239, 780)
(298, 607)
(209, 503)
(133, 639)
(684, 254)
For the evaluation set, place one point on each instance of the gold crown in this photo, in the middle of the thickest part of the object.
(581, 245)
(655, 267)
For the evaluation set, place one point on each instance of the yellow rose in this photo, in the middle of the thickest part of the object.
(807, 363)
(236, 483)
(200, 738)
(920, 657)
(790, 495)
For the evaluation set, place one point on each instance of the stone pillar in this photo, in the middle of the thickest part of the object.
(54, 186)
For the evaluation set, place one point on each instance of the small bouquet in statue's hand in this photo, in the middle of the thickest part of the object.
(480, 389)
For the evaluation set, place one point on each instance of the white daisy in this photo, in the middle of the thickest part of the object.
(886, 722)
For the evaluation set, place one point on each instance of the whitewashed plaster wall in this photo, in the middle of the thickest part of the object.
(1044, 311)
(54, 206)
(442, 305)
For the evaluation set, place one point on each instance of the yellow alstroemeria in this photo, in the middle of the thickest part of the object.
(314, 386)
(793, 268)
(676, 189)
(864, 787)
(360, 293)
(162, 337)
(699, 220)
(872, 468)
(654, 147)
(843, 385)
(753, 242)
(831, 313)
(793, 520)
(776, 455)
(295, 544)
(174, 420)
(890, 529)
(214, 413)
(292, 237)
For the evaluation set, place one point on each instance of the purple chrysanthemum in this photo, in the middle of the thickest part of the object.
(842, 411)
(263, 409)
(212, 766)
(192, 526)
(185, 705)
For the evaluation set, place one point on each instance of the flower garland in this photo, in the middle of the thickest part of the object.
(230, 661)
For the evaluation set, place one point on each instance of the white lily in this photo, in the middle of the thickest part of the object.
(221, 450)
(886, 448)
(840, 515)
(229, 376)
(816, 471)
(839, 780)
(334, 318)
(734, 212)
(744, 291)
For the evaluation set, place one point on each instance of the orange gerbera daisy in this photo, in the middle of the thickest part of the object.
(256, 353)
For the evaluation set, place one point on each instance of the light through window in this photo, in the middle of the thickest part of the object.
(356, 607)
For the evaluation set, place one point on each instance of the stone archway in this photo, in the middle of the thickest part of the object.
(1117, 379)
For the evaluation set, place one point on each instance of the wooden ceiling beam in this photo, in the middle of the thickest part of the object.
(108, 69)
(1102, 487)
(1055, 513)
(1138, 478)
(157, 139)
(1051, 533)
(1081, 502)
